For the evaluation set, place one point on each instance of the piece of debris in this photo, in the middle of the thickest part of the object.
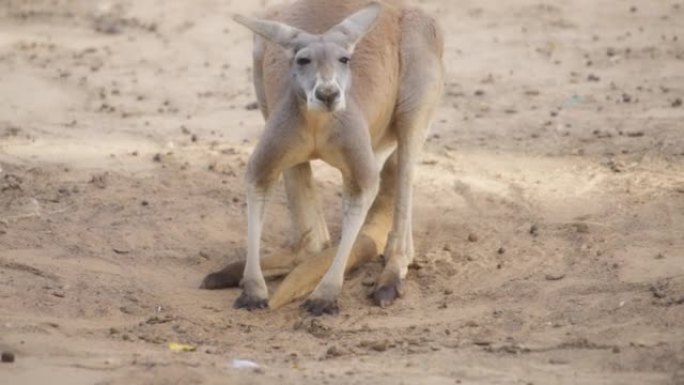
(244, 364)
(314, 327)
(554, 276)
(334, 351)
(658, 292)
(7, 357)
(534, 230)
(677, 103)
(252, 106)
(615, 167)
(473, 237)
(379, 346)
(181, 348)
(581, 227)
(156, 320)
(99, 180)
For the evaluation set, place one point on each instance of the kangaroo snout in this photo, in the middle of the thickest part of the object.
(328, 94)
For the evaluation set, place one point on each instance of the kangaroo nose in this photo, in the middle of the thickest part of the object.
(327, 95)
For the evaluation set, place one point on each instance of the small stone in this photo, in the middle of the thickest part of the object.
(379, 346)
(554, 276)
(157, 158)
(677, 103)
(7, 357)
(593, 78)
(473, 237)
(581, 228)
(211, 350)
(333, 351)
(501, 251)
(252, 106)
(534, 230)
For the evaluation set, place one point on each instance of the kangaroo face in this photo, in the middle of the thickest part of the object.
(322, 74)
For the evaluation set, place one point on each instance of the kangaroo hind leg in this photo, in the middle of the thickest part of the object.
(419, 93)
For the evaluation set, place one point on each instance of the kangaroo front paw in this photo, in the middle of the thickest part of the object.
(386, 294)
(250, 302)
(318, 307)
(254, 296)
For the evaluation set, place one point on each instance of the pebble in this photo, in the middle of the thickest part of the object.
(7, 357)
(334, 351)
(534, 230)
(379, 346)
(554, 276)
(581, 228)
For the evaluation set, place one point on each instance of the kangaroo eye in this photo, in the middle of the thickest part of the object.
(302, 61)
(345, 60)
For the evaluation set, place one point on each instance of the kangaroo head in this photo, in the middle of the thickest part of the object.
(320, 65)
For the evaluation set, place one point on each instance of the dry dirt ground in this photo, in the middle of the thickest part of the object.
(549, 206)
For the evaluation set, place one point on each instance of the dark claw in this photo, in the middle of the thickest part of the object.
(386, 295)
(229, 276)
(249, 302)
(318, 307)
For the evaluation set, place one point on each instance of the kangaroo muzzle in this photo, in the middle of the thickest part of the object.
(327, 97)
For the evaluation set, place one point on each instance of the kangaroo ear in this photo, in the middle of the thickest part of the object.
(356, 26)
(282, 34)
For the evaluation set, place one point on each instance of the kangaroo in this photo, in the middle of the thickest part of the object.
(354, 83)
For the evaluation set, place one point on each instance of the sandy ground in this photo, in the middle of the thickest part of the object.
(549, 204)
